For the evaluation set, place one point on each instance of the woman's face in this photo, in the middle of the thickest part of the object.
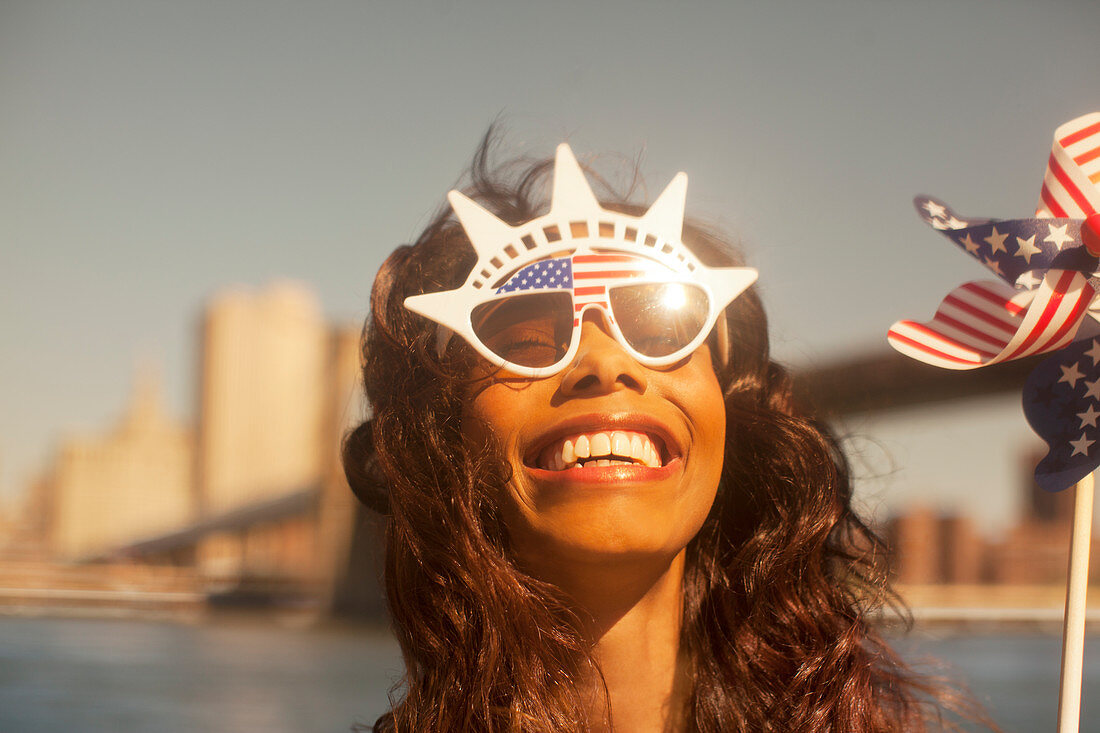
(661, 435)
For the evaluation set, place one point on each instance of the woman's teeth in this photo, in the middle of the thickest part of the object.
(617, 448)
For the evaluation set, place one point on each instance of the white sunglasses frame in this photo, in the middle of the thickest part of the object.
(715, 313)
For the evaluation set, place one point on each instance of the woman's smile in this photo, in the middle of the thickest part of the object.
(625, 437)
(606, 447)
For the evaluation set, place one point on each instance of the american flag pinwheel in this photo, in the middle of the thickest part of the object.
(1045, 301)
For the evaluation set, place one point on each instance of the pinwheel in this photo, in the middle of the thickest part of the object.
(1045, 301)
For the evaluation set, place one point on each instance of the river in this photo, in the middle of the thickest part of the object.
(229, 676)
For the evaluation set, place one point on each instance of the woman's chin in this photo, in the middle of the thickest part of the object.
(598, 538)
(610, 515)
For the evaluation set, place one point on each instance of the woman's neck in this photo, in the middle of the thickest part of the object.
(635, 613)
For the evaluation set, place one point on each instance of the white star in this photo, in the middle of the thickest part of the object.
(1093, 390)
(1058, 235)
(992, 265)
(934, 210)
(971, 246)
(1088, 416)
(1081, 445)
(1094, 352)
(1070, 375)
(996, 240)
(955, 223)
(1026, 248)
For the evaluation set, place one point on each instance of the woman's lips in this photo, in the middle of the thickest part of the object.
(591, 473)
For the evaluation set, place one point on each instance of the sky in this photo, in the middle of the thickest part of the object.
(155, 153)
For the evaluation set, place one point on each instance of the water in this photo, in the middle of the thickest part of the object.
(1015, 676)
(96, 676)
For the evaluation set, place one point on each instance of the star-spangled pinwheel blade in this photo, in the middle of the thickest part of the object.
(1010, 248)
(939, 215)
(1062, 405)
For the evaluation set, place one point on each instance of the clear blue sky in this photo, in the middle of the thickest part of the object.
(152, 153)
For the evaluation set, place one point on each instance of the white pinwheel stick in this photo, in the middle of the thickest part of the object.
(1073, 624)
(1070, 188)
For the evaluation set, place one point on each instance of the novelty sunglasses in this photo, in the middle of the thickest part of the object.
(524, 301)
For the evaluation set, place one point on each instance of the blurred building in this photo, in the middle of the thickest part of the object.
(28, 535)
(932, 547)
(261, 404)
(278, 387)
(261, 410)
(122, 486)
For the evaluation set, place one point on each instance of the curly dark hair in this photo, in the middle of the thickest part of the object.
(779, 583)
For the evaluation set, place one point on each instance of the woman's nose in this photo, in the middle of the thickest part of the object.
(601, 366)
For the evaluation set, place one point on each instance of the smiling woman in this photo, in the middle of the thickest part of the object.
(604, 510)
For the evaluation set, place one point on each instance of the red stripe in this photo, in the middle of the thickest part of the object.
(929, 349)
(1083, 301)
(1087, 156)
(590, 290)
(1052, 204)
(605, 273)
(1048, 314)
(928, 328)
(994, 298)
(1080, 134)
(603, 258)
(1071, 189)
(977, 333)
(979, 314)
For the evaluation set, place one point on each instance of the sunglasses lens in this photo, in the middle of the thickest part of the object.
(531, 330)
(658, 319)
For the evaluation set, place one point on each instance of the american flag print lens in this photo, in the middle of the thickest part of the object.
(536, 322)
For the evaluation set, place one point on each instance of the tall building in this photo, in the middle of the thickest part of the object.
(964, 550)
(278, 388)
(261, 410)
(124, 486)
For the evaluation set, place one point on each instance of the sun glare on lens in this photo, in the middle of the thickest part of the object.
(674, 297)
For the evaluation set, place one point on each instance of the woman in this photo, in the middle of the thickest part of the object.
(605, 511)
